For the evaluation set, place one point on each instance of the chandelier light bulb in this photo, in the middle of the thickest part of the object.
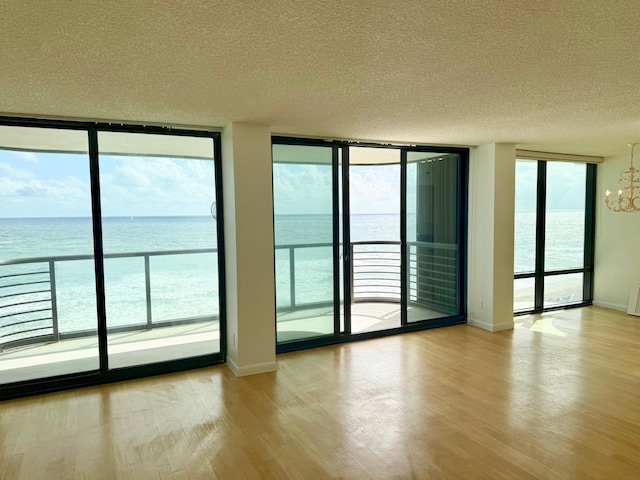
(628, 199)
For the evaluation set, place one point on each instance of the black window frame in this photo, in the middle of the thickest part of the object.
(104, 374)
(462, 234)
(540, 273)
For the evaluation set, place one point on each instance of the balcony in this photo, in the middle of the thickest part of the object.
(47, 330)
(36, 341)
(375, 279)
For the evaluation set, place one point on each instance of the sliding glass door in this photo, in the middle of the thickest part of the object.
(304, 241)
(374, 250)
(160, 247)
(48, 319)
(369, 240)
(433, 234)
(110, 260)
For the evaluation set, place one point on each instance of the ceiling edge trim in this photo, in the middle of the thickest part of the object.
(369, 141)
(562, 157)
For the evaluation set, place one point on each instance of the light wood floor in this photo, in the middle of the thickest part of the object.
(558, 397)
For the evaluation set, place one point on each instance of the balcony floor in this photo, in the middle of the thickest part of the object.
(125, 349)
(365, 317)
(176, 342)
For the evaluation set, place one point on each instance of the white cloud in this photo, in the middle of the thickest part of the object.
(375, 189)
(302, 189)
(307, 189)
(7, 170)
(68, 196)
(143, 186)
(29, 157)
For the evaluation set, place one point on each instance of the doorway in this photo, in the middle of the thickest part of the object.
(368, 239)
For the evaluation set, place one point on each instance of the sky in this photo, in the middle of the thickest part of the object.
(57, 185)
(565, 185)
(306, 189)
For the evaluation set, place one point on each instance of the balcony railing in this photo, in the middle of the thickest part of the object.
(29, 299)
(375, 274)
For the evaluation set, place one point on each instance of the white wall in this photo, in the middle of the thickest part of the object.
(617, 255)
(490, 250)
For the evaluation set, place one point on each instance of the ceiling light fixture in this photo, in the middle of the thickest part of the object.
(628, 199)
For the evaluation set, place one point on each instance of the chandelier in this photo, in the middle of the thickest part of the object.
(628, 199)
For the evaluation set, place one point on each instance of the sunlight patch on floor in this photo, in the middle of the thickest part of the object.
(540, 325)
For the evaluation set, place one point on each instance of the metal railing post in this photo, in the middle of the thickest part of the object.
(351, 261)
(54, 300)
(292, 276)
(147, 288)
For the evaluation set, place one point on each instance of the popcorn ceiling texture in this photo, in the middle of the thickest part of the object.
(546, 75)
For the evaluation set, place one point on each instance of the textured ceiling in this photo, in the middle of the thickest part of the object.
(547, 75)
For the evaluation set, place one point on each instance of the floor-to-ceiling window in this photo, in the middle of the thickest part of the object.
(110, 260)
(47, 282)
(304, 241)
(554, 234)
(369, 239)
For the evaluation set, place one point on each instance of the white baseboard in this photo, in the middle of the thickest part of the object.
(492, 327)
(251, 369)
(612, 306)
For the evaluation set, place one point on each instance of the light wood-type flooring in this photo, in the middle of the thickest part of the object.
(556, 398)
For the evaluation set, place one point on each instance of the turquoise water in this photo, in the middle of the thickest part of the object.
(186, 285)
(564, 243)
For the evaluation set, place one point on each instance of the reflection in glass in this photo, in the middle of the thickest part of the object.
(432, 236)
(160, 262)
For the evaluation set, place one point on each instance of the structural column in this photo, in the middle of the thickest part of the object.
(249, 257)
(491, 234)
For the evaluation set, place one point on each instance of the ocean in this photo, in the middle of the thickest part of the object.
(186, 285)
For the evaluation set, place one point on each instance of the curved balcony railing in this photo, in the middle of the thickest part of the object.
(29, 299)
(375, 271)
(375, 274)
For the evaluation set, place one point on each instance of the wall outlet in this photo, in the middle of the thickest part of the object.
(233, 339)
(480, 304)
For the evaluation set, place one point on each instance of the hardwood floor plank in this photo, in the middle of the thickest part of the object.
(555, 398)
(13, 466)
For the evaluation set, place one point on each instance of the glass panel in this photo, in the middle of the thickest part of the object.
(524, 294)
(564, 232)
(374, 202)
(48, 319)
(161, 261)
(525, 216)
(432, 212)
(563, 289)
(303, 230)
